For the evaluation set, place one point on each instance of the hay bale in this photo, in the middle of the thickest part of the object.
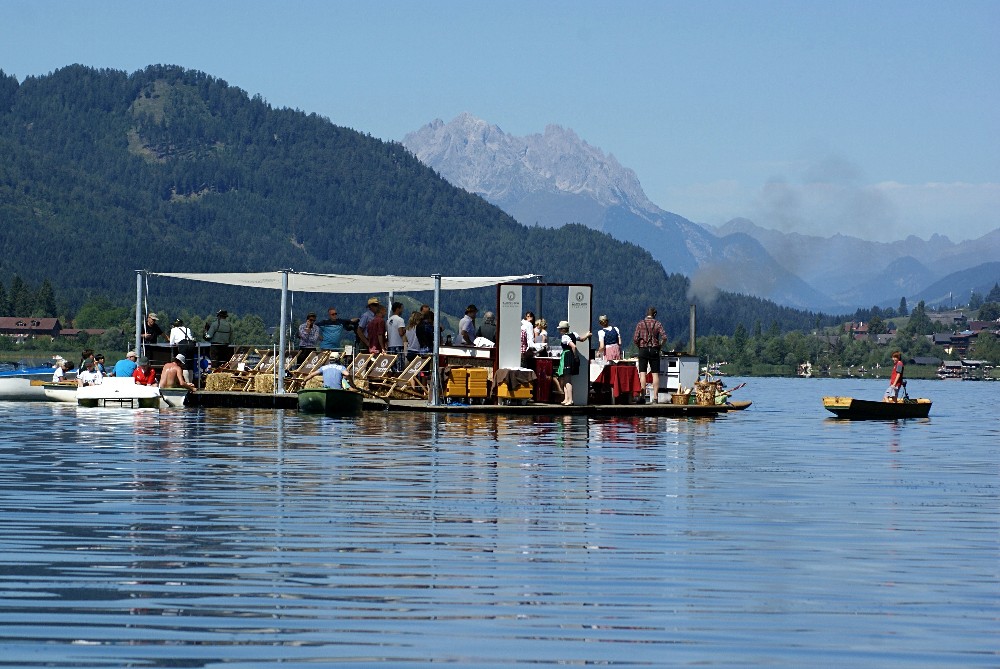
(219, 381)
(263, 383)
(315, 382)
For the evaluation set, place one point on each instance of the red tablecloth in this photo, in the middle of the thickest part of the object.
(621, 378)
(543, 379)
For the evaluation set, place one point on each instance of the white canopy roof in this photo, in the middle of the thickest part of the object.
(345, 283)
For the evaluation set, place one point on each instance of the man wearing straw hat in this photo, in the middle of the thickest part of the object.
(367, 317)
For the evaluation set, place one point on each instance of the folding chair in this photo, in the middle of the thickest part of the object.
(237, 360)
(297, 377)
(358, 370)
(243, 380)
(408, 381)
(378, 374)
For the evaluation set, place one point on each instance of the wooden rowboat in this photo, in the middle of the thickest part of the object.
(330, 401)
(849, 407)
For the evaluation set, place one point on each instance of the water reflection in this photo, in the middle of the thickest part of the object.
(248, 537)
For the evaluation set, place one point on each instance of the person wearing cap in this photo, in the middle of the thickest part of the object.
(124, 368)
(377, 332)
(172, 374)
(151, 330)
(88, 376)
(220, 336)
(362, 330)
(182, 337)
(395, 330)
(144, 374)
(332, 329)
(332, 372)
(467, 327)
(569, 361)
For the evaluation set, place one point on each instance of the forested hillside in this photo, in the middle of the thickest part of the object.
(172, 170)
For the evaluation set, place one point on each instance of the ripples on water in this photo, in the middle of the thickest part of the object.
(776, 536)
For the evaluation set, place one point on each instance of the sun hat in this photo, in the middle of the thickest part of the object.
(131, 354)
(563, 325)
(154, 317)
(373, 300)
(180, 358)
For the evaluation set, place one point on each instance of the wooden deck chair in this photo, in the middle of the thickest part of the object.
(237, 360)
(358, 369)
(297, 377)
(379, 372)
(244, 380)
(408, 383)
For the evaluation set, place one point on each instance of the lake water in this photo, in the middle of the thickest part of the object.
(777, 536)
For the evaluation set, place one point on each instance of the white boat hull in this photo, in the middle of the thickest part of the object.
(60, 392)
(21, 389)
(112, 392)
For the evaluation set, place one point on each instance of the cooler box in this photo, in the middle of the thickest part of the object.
(522, 393)
(478, 382)
(457, 386)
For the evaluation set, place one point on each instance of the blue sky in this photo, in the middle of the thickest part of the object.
(875, 119)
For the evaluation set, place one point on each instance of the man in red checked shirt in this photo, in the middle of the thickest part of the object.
(144, 374)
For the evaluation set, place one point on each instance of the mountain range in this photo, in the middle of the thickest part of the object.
(554, 178)
(103, 173)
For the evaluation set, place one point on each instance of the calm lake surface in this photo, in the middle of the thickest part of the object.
(777, 536)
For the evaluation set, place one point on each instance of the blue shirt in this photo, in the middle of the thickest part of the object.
(333, 375)
(124, 368)
(331, 333)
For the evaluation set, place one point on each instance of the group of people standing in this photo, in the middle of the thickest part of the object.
(377, 330)
(649, 337)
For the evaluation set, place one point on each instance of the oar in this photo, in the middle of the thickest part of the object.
(734, 388)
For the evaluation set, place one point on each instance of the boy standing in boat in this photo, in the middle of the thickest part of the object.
(895, 378)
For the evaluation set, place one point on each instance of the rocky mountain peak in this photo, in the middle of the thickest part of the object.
(481, 158)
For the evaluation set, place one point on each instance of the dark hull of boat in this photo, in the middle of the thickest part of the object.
(330, 402)
(854, 409)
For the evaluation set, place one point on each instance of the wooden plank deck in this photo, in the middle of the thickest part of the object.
(220, 399)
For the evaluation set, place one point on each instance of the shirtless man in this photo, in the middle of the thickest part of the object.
(172, 374)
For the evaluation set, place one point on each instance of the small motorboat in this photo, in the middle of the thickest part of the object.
(849, 407)
(330, 401)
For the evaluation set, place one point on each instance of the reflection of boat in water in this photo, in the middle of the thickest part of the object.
(849, 407)
(330, 401)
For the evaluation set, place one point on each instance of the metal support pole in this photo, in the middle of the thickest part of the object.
(436, 371)
(138, 310)
(538, 298)
(279, 386)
